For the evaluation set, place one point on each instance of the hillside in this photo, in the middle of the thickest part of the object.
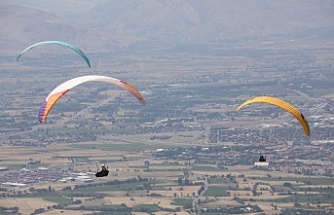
(198, 21)
(23, 26)
(160, 24)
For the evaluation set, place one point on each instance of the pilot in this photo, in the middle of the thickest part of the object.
(262, 159)
(104, 171)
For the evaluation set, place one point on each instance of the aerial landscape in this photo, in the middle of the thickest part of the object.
(154, 91)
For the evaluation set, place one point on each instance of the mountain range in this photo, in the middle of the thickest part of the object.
(161, 24)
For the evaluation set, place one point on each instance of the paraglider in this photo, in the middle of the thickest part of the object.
(103, 173)
(62, 89)
(262, 158)
(282, 104)
(74, 48)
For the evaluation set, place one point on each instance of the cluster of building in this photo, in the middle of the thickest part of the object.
(32, 139)
(25, 177)
(298, 157)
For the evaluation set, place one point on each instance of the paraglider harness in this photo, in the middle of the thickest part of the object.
(103, 173)
(262, 158)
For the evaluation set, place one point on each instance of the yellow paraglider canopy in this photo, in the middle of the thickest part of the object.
(282, 104)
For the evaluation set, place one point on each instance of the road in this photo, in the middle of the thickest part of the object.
(206, 185)
(304, 95)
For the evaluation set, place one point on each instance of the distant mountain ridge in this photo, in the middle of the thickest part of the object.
(22, 26)
(158, 23)
(205, 21)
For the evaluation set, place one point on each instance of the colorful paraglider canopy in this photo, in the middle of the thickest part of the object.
(282, 104)
(62, 89)
(74, 48)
